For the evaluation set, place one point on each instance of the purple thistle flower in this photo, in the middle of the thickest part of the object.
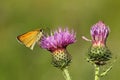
(99, 33)
(57, 43)
(60, 39)
(99, 52)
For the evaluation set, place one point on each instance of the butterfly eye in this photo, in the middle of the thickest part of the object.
(41, 30)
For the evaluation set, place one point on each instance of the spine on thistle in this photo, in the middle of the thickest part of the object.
(61, 58)
(99, 52)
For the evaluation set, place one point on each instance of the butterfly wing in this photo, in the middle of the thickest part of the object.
(29, 39)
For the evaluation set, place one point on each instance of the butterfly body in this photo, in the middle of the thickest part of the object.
(30, 38)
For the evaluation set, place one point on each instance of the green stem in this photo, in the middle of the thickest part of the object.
(97, 71)
(105, 72)
(66, 74)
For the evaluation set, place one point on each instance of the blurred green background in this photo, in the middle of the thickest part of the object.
(18, 16)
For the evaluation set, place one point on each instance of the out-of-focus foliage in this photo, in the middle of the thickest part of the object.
(18, 16)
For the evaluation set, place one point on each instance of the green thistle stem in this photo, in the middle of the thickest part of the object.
(97, 71)
(105, 72)
(66, 74)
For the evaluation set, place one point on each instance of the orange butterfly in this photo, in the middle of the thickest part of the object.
(30, 38)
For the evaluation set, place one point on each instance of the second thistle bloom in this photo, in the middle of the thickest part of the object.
(99, 33)
(56, 43)
(99, 53)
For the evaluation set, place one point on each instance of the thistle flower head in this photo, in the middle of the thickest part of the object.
(57, 43)
(99, 33)
(61, 38)
(99, 53)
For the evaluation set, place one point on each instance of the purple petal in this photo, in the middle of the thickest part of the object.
(99, 33)
(61, 38)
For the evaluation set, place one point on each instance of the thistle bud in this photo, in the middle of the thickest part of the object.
(99, 53)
